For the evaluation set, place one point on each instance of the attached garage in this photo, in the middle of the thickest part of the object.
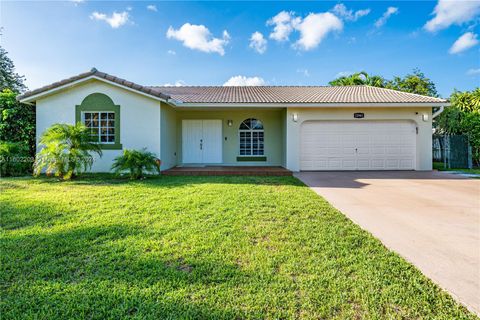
(357, 145)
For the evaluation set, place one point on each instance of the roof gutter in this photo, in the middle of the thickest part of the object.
(438, 112)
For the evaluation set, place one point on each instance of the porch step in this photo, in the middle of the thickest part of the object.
(226, 170)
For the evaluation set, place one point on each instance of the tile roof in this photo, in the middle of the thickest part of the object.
(293, 94)
(94, 72)
(255, 94)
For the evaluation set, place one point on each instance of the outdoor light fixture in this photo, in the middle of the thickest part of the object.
(230, 123)
(425, 117)
(295, 117)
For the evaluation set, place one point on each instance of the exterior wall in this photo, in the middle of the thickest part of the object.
(168, 137)
(139, 120)
(424, 136)
(272, 122)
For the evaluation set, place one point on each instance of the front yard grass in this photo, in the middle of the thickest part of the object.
(197, 248)
(441, 167)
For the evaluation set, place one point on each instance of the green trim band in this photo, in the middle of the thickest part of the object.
(101, 102)
(252, 159)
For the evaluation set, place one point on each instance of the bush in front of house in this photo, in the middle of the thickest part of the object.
(15, 159)
(66, 151)
(137, 163)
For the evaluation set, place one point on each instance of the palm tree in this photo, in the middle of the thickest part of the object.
(359, 78)
(136, 161)
(66, 150)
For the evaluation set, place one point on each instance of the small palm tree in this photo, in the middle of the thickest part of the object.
(66, 150)
(137, 162)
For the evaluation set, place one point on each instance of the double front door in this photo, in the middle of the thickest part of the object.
(202, 141)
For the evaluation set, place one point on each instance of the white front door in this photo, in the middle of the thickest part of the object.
(202, 141)
(358, 145)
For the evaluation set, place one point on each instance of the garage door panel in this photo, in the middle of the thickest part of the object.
(358, 145)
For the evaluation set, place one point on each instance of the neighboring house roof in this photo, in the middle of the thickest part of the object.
(293, 94)
(247, 94)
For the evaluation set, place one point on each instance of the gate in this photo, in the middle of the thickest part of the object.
(453, 151)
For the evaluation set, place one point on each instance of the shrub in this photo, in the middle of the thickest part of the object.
(463, 117)
(66, 150)
(15, 159)
(136, 162)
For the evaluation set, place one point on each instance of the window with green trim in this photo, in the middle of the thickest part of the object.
(98, 112)
(101, 125)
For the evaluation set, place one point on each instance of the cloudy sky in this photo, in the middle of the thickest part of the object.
(244, 43)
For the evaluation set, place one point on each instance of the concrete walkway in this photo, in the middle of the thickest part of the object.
(430, 218)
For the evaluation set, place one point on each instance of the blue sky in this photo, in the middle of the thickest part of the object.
(208, 43)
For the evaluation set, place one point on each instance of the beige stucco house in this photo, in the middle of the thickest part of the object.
(296, 127)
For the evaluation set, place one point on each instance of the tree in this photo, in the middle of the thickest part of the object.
(9, 79)
(66, 150)
(463, 117)
(17, 121)
(415, 82)
(359, 78)
(136, 162)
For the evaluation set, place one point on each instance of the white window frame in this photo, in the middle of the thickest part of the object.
(100, 127)
(251, 131)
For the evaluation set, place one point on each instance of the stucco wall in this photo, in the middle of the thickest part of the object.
(168, 137)
(139, 117)
(273, 128)
(424, 136)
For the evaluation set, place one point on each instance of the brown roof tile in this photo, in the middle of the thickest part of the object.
(293, 94)
(257, 94)
(96, 73)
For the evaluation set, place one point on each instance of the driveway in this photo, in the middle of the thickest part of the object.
(430, 218)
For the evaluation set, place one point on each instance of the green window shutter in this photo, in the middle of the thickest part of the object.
(101, 102)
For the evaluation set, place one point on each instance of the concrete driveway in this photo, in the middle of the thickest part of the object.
(430, 218)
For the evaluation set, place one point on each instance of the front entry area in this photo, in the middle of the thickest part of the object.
(358, 145)
(202, 141)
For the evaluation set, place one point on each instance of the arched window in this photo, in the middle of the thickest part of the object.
(102, 116)
(251, 138)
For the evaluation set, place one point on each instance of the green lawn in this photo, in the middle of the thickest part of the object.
(440, 167)
(197, 247)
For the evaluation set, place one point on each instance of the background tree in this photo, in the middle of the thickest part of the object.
(463, 117)
(9, 79)
(17, 122)
(415, 82)
(359, 78)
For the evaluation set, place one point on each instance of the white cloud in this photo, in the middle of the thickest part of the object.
(465, 42)
(258, 42)
(116, 20)
(473, 72)
(244, 81)
(314, 28)
(171, 52)
(344, 74)
(386, 15)
(283, 24)
(198, 37)
(448, 12)
(178, 83)
(305, 72)
(342, 11)
(152, 7)
(77, 2)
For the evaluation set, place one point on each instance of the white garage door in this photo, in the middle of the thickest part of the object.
(358, 145)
